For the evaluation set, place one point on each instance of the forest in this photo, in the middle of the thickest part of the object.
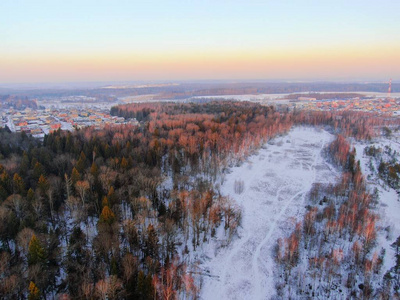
(115, 213)
(334, 249)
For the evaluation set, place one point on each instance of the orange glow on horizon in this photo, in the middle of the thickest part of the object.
(315, 62)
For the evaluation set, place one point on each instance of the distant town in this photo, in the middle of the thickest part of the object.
(54, 114)
(386, 105)
(42, 116)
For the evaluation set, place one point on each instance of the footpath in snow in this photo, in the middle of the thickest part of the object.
(276, 181)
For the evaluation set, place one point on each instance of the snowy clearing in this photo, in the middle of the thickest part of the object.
(276, 181)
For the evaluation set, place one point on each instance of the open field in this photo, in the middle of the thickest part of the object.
(276, 181)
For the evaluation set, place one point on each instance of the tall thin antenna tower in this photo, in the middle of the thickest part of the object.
(390, 87)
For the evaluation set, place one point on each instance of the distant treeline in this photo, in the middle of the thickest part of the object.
(140, 114)
(326, 96)
(187, 90)
(16, 102)
(275, 88)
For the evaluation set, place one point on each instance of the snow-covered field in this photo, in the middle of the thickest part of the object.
(276, 181)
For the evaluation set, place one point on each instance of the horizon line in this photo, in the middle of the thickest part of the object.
(42, 84)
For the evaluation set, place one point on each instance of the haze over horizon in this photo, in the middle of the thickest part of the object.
(58, 41)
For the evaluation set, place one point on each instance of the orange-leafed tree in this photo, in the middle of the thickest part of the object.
(107, 216)
(34, 292)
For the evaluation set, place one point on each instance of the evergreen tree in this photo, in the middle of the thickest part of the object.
(75, 176)
(38, 170)
(151, 244)
(25, 163)
(144, 289)
(43, 184)
(76, 261)
(5, 182)
(18, 184)
(111, 197)
(30, 196)
(81, 163)
(94, 170)
(124, 163)
(104, 202)
(396, 269)
(107, 216)
(36, 253)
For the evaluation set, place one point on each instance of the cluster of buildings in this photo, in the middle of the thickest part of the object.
(43, 121)
(379, 105)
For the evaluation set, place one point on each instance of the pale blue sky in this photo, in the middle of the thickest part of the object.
(29, 28)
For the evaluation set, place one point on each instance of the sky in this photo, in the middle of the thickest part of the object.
(171, 40)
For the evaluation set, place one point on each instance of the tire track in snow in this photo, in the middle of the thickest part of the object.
(256, 256)
(245, 267)
(244, 241)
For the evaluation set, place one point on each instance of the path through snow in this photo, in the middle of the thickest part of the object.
(276, 182)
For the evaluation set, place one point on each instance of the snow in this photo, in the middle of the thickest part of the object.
(276, 181)
(389, 204)
(245, 97)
